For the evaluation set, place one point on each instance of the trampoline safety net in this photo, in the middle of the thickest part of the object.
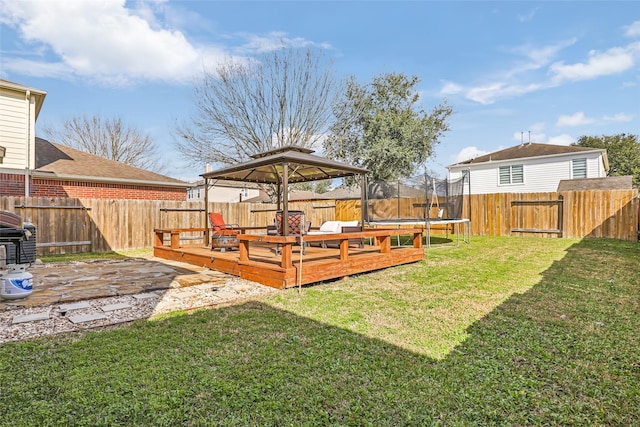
(422, 197)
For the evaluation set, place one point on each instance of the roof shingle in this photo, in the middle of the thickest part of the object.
(65, 161)
(529, 149)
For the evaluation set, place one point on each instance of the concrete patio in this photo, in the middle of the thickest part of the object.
(72, 296)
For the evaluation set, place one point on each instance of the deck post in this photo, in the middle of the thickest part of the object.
(244, 250)
(159, 241)
(417, 240)
(175, 239)
(385, 243)
(344, 249)
(286, 260)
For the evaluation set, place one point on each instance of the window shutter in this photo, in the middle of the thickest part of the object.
(517, 174)
(579, 168)
(505, 175)
(511, 174)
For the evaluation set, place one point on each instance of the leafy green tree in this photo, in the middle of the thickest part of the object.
(623, 152)
(319, 187)
(381, 127)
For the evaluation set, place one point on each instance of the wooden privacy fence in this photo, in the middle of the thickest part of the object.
(66, 225)
(591, 213)
(594, 213)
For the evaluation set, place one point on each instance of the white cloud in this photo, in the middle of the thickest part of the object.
(620, 117)
(538, 57)
(613, 61)
(577, 119)
(508, 83)
(105, 41)
(537, 127)
(488, 94)
(519, 79)
(468, 153)
(56, 70)
(451, 88)
(276, 40)
(527, 17)
(633, 30)
(563, 139)
(115, 42)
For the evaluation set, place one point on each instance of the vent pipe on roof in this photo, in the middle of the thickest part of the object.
(521, 138)
(529, 137)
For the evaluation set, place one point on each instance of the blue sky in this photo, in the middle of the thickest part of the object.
(554, 70)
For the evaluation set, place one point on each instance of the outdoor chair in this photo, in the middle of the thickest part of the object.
(224, 236)
(297, 226)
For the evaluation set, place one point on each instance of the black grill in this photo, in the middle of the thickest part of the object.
(19, 241)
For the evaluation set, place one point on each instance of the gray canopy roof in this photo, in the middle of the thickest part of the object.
(268, 167)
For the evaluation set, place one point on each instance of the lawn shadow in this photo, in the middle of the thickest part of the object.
(563, 352)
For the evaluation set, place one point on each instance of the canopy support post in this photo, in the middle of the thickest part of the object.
(363, 201)
(206, 211)
(285, 199)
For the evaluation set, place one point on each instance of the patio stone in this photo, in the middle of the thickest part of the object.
(83, 318)
(74, 306)
(117, 306)
(33, 317)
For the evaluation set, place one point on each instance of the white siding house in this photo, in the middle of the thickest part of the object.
(530, 168)
(223, 191)
(19, 108)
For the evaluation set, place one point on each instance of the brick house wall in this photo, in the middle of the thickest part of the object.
(13, 185)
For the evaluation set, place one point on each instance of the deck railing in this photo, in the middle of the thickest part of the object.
(381, 239)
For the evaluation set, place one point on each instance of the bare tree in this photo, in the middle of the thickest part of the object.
(282, 98)
(109, 138)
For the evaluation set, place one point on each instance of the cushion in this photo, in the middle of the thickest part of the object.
(349, 223)
(331, 227)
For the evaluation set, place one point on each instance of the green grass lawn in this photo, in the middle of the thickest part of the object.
(505, 331)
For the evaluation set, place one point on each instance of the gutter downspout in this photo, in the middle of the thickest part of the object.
(27, 189)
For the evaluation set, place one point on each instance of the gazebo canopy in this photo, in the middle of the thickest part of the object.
(268, 168)
(281, 167)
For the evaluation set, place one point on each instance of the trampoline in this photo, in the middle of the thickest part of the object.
(462, 226)
(421, 201)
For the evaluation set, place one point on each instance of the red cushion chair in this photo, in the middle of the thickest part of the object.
(224, 235)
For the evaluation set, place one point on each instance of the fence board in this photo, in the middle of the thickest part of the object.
(129, 224)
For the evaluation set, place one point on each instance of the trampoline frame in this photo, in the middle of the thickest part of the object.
(465, 230)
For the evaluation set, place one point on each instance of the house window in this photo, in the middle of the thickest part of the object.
(579, 168)
(513, 174)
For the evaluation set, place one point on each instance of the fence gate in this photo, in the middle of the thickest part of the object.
(541, 217)
(59, 228)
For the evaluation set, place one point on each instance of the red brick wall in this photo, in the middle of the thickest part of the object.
(13, 185)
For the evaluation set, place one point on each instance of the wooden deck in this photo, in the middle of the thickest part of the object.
(256, 257)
